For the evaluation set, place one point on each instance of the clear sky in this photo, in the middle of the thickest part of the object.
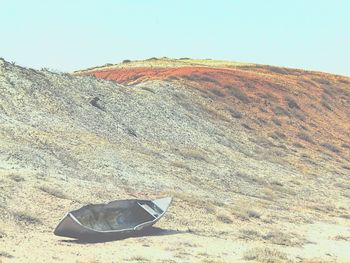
(73, 34)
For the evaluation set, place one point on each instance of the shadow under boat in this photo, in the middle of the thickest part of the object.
(151, 231)
(115, 220)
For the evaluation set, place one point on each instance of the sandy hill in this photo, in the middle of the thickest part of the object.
(256, 157)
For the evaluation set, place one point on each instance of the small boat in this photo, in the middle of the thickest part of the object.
(116, 218)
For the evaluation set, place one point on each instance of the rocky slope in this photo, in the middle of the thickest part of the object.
(254, 156)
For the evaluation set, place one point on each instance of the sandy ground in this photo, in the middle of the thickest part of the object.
(325, 241)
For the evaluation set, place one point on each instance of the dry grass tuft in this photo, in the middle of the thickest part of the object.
(331, 147)
(139, 258)
(292, 103)
(26, 218)
(217, 93)
(17, 178)
(90, 261)
(342, 238)
(277, 122)
(210, 208)
(245, 214)
(278, 135)
(181, 164)
(2, 234)
(224, 218)
(238, 93)
(315, 260)
(253, 214)
(213, 261)
(5, 255)
(195, 154)
(305, 137)
(249, 234)
(235, 114)
(265, 255)
(279, 111)
(52, 191)
(269, 194)
(345, 146)
(280, 238)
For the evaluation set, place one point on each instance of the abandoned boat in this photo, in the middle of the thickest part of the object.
(121, 217)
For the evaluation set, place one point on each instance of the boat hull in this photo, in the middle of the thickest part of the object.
(119, 218)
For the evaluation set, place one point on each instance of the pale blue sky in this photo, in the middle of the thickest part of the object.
(72, 34)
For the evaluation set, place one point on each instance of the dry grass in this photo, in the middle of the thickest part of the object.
(277, 122)
(316, 260)
(5, 254)
(305, 137)
(249, 234)
(331, 147)
(345, 146)
(195, 154)
(17, 178)
(53, 191)
(138, 258)
(2, 234)
(253, 214)
(213, 261)
(166, 62)
(323, 208)
(181, 164)
(148, 89)
(26, 218)
(291, 103)
(235, 114)
(245, 214)
(346, 167)
(274, 237)
(237, 93)
(342, 238)
(90, 261)
(224, 218)
(247, 127)
(325, 104)
(208, 206)
(217, 92)
(269, 194)
(279, 111)
(284, 239)
(265, 255)
(268, 96)
(347, 194)
(277, 135)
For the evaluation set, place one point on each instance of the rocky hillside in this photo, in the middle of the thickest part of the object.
(254, 156)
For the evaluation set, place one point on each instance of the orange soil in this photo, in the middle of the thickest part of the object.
(312, 103)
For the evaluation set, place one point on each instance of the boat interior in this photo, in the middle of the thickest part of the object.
(117, 215)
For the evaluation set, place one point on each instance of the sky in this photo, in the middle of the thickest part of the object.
(67, 35)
